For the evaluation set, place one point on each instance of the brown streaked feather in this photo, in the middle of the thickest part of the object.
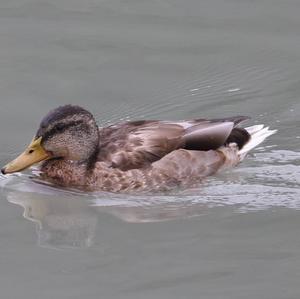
(187, 165)
(179, 168)
(137, 144)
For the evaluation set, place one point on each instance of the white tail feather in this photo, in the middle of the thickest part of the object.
(253, 129)
(258, 134)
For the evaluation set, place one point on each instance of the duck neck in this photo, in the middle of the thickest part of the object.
(64, 172)
(91, 161)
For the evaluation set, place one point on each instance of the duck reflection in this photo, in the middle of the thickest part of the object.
(66, 219)
(61, 222)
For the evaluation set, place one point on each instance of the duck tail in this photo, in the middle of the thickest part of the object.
(258, 134)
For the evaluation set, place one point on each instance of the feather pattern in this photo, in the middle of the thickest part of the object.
(138, 144)
(147, 155)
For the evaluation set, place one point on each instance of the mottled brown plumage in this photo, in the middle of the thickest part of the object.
(133, 156)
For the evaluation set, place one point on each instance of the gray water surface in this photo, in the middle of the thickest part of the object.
(237, 235)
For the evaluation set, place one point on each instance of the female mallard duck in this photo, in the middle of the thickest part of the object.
(136, 155)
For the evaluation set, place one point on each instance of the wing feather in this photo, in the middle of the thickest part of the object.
(140, 143)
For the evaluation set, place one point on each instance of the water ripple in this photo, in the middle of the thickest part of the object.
(245, 187)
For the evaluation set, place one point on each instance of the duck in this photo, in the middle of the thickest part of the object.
(134, 156)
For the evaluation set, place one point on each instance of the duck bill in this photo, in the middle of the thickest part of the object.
(33, 154)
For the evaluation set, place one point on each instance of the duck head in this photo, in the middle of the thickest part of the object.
(67, 132)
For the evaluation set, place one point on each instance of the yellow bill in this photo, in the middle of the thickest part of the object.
(33, 154)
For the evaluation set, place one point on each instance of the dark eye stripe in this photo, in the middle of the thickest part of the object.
(60, 128)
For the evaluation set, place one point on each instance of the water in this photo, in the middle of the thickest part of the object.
(237, 236)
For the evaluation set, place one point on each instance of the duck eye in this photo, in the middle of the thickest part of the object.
(59, 127)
